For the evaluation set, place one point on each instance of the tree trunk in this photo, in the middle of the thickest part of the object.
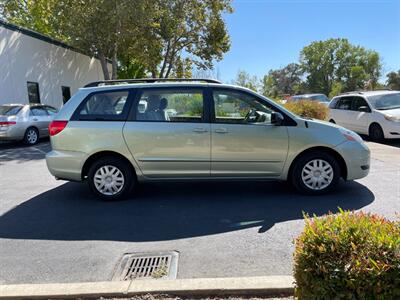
(161, 75)
(104, 66)
(114, 66)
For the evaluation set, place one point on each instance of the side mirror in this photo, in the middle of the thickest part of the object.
(277, 118)
(364, 109)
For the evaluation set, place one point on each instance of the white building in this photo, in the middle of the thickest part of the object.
(38, 69)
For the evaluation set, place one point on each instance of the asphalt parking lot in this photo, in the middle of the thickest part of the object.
(55, 231)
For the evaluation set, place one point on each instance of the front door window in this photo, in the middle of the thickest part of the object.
(238, 108)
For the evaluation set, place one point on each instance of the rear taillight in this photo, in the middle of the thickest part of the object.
(7, 123)
(55, 127)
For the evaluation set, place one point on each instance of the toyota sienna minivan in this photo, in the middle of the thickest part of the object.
(116, 134)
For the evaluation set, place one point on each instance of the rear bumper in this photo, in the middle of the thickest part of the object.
(357, 158)
(66, 165)
(10, 135)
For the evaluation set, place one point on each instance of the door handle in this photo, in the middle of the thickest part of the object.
(221, 130)
(34, 119)
(200, 130)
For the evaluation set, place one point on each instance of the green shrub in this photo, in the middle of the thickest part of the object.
(308, 109)
(348, 256)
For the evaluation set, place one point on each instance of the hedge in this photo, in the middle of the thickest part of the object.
(309, 109)
(348, 256)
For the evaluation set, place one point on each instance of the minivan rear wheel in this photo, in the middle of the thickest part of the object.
(315, 173)
(111, 178)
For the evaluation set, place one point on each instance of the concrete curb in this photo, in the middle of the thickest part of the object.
(264, 285)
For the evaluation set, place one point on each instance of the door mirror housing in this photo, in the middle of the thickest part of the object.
(277, 119)
(364, 109)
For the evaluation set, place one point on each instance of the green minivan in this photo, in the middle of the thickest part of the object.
(116, 134)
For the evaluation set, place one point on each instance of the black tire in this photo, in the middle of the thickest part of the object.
(126, 170)
(302, 161)
(332, 121)
(376, 133)
(31, 136)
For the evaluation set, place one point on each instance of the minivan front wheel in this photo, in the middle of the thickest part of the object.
(376, 133)
(110, 178)
(315, 173)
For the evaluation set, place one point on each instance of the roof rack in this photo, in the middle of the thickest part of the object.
(149, 80)
(365, 91)
(352, 92)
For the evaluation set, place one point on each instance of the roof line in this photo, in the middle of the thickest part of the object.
(42, 37)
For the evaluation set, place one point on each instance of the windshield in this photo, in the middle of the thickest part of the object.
(9, 110)
(383, 102)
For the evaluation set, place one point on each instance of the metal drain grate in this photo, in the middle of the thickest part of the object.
(161, 265)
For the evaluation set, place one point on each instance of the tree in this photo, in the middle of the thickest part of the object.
(282, 81)
(244, 79)
(190, 28)
(336, 61)
(98, 27)
(164, 36)
(393, 80)
(36, 15)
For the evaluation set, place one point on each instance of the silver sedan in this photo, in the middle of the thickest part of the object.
(22, 122)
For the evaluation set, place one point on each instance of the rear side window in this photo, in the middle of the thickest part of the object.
(38, 111)
(9, 110)
(170, 105)
(51, 110)
(104, 106)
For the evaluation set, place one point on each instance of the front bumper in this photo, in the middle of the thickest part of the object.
(391, 130)
(66, 164)
(357, 157)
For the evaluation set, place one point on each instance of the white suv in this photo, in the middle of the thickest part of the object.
(376, 113)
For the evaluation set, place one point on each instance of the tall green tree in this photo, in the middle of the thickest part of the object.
(336, 61)
(99, 27)
(37, 15)
(244, 79)
(162, 36)
(287, 80)
(192, 31)
(393, 80)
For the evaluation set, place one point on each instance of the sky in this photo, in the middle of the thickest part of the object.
(269, 34)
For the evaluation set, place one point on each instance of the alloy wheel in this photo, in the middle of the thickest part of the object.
(32, 136)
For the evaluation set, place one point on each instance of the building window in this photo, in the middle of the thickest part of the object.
(33, 92)
(66, 93)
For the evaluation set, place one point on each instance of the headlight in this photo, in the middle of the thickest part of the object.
(350, 135)
(392, 118)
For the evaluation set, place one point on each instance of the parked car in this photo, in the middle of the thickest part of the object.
(28, 123)
(321, 98)
(115, 147)
(375, 113)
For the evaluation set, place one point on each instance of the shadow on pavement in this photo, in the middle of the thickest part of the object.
(21, 153)
(391, 142)
(170, 211)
